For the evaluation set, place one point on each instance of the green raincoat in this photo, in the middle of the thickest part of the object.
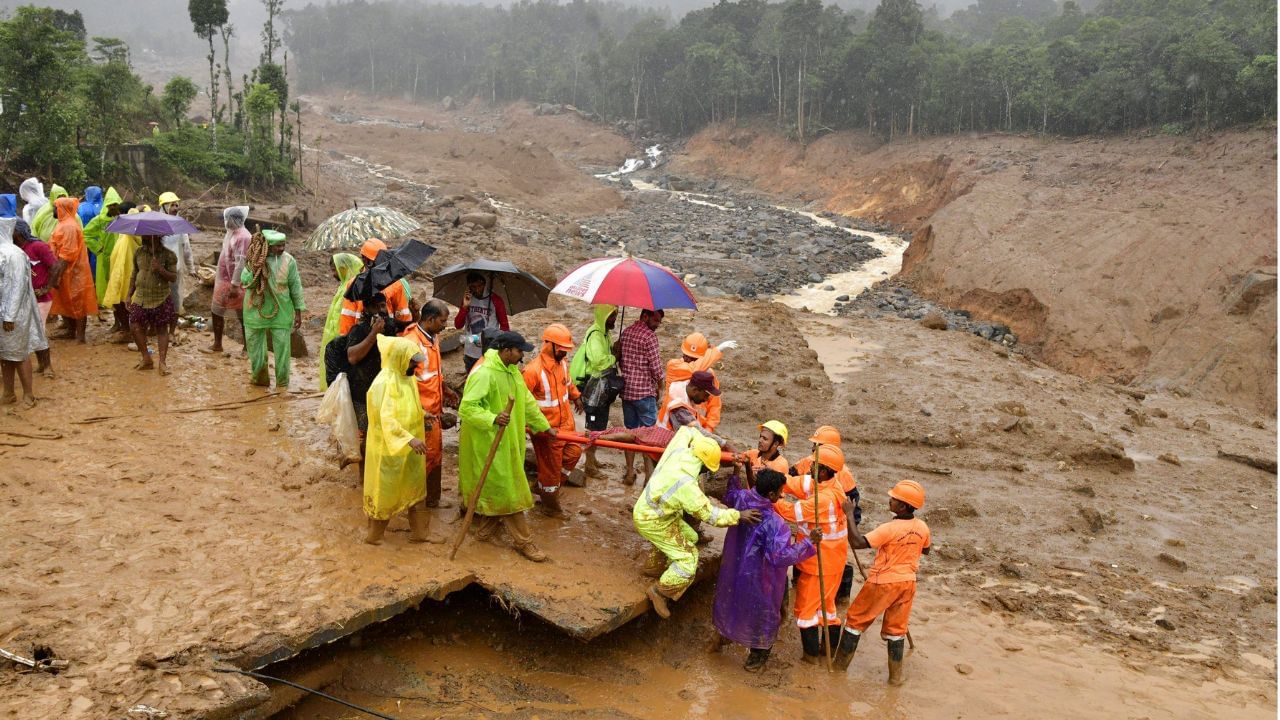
(284, 294)
(596, 354)
(45, 221)
(395, 477)
(348, 266)
(490, 386)
(101, 243)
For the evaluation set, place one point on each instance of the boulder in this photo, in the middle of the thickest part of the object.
(479, 219)
(934, 321)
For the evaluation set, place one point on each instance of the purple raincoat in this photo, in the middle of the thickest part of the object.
(753, 571)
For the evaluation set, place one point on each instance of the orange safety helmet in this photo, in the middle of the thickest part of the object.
(371, 247)
(558, 335)
(826, 435)
(832, 457)
(909, 492)
(694, 345)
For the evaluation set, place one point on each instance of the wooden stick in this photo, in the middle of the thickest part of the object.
(484, 474)
(822, 584)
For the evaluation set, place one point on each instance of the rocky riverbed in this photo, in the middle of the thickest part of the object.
(724, 243)
(893, 299)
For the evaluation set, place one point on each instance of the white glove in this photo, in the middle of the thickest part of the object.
(727, 345)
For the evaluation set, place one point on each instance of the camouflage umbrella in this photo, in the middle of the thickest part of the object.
(350, 228)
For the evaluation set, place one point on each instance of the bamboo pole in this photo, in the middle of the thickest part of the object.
(484, 474)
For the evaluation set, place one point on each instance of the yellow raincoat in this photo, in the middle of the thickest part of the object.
(489, 387)
(658, 514)
(121, 273)
(395, 477)
(347, 266)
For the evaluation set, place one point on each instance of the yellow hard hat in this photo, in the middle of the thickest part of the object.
(776, 428)
(168, 197)
(706, 450)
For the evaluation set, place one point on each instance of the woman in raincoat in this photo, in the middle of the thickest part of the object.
(345, 267)
(8, 206)
(32, 193)
(99, 241)
(591, 364)
(75, 297)
(21, 331)
(394, 464)
(90, 205)
(505, 496)
(46, 218)
(120, 266)
(228, 293)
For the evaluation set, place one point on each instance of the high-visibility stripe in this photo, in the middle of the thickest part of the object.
(550, 402)
(404, 313)
(715, 514)
(350, 313)
(648, 498)
(674, 568)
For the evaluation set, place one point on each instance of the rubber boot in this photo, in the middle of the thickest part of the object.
(659, 601)
(845, 649)
(549, 503)
(376, 529)
(811, 645)
(896, 650)
(419, 524)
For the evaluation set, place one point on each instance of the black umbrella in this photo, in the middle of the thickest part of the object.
(521, 290)
(389, 267)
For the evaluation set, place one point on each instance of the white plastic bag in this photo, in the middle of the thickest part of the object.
(337, 411)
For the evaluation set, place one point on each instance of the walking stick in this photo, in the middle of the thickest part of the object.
(484, 474)
(822, 584)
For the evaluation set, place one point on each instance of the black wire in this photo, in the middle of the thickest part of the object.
(326, 696)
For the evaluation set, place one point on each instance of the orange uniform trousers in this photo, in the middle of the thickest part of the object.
(893, 600)
(808, 597)
(554, 458)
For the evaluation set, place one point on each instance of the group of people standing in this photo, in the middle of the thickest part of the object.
(60, 260)
(783, 516)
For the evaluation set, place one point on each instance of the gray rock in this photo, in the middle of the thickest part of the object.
(842, 298)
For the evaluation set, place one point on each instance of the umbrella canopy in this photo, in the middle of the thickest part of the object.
(389, 267)
(350, 228)
(518, 288)
(626, 282)
(150, 223)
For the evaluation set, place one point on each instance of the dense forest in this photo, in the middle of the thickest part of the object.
(1020, 65)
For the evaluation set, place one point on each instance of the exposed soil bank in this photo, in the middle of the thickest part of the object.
(1144, 260)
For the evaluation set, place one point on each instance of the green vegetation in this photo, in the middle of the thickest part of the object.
(1011, 65)
(64, 107)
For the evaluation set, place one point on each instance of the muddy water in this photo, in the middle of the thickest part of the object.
(461, 658)
(814, 297)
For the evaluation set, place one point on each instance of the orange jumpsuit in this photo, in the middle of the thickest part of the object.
(891, 582)
(76, 296)
(833, 549)
(844, 477)
(397, 307)
(548, 380)
(431, 395)
(779, 463)
(679, 371)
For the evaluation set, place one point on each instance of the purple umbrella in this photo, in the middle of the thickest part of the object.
(150, 223)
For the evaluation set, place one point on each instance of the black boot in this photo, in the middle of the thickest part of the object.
(811, 644)
(896, 650)
(844, 650)
(846, 585)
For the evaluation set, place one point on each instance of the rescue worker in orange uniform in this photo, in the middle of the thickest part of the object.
(828, 435)
(396, 294)
(696, 356)
(768, 450)
(547, 377)
(432, 391)
(891, 581)
(816, 612)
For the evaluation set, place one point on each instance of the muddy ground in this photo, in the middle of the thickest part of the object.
(1087, 538)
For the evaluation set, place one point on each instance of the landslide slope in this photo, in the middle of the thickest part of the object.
(1148, 260)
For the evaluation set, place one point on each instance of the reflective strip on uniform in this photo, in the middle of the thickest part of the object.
(666, 495)
(350, 313)
(715, 514)
(404, 312)
(550, 402)
(675, 569)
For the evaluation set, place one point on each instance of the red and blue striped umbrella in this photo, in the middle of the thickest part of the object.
(626, 282)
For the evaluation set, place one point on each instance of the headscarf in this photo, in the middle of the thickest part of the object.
(8, 206)
(91, 204)
(348, 266)
(32, 192)
(45, 219)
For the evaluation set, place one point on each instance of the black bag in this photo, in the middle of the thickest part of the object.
(602, 390)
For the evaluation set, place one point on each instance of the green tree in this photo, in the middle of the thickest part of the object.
(207, 18)
(39, 61)
(177, 97)
(261, 104)
(113, 96)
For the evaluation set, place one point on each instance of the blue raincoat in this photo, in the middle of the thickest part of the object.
(8, 206)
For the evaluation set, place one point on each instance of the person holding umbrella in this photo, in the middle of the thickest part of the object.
(273, 306)
(397, 293)
(151, 300)
(495, 396)
(481, 309)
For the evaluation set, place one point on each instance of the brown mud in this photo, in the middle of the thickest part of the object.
(1100, 532)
